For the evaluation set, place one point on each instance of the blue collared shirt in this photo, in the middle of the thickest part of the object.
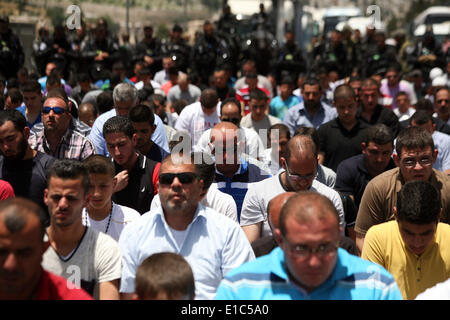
(297, 116)
(96, 135)
(38, 119)
(213, 245)
(266, 279)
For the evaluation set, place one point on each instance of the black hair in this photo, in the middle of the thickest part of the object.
(69, 169)
(380, 134)
(421, 117)
(418, 202)
(15, 117)
(104, 102)
(413, 138)
(142, 113)
(258, 95)
(119, 124)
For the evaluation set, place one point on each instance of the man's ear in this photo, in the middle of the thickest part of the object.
(46, 196)
(283, 162)
(396, 159)
(134, 140)
(114, 182)
(394, 209)
(278, 237)
(26, 132)
(363, 146)
(435, 154)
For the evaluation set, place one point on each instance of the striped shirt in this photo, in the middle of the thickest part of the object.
(73, 145)
(237, 185)
(266, 279)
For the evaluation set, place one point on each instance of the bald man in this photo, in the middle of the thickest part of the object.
(233, 172)
(300, 170)
(308, 265)
(266, 244)
(183, 90)
(22, 230)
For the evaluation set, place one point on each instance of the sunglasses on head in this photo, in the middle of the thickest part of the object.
(183, 177)
(56, 110)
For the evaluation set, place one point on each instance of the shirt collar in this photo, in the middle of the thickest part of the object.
(200, 215)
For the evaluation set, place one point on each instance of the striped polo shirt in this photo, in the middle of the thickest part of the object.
(266, 279)
(237, 185)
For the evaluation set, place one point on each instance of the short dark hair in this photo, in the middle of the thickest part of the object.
(179, 105)
(142, 113)
(380, 134)
(421, 117)
(209, 98)
(344, 91)
(31, 86)
(15, 117)
(104, 102)
(60, 94)
(418, 202)
(258, 95)
(165, 272)
(232, 100)
(146, 92)
(69, 169)
(413, 138)
(119, 124)
(310, 81)
(281, 127)
(205, 170)
(53, 79)
(99, 164)
(402, 93)
(13, 212)
(15, 95)
(424, 104)
(439, 89)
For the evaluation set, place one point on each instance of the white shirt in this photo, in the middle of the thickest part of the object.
(213, 246)
(253, 144)
(404, 116)
(194, 121)
(441, 291)
(254, 207)
(215, 199)
(119, 217)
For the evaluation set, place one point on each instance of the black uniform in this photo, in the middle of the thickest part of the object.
(12, 56)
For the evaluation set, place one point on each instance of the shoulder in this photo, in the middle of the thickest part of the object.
(44, 159)
(127, 213)
(386, 178)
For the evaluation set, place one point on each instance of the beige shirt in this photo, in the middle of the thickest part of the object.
(380, 197)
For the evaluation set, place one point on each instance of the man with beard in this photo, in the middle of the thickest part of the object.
(24, 168)
(311, 112)
(58, 139)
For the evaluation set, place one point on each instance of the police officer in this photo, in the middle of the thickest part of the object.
(149, 50)
(12, 56)
(289, 58)
(177, 48)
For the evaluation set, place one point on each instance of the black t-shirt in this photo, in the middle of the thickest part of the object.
(382, 115)
(352, 177)
(28, 177)
(339, 144)
(226, 92)
(141, 188)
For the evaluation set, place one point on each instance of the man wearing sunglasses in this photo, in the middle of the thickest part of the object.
(308, 265)
(230, 111)
(211, 243)
(300, 170)
(58, 139)
(415, 156)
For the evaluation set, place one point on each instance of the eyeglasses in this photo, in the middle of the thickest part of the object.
(183, 177)
(411, 163)
(232, 120)
(304, 252)
(297, 177)
(56, 110)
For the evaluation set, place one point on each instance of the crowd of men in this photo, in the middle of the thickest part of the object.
(169, 171)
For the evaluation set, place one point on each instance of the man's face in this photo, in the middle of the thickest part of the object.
(377, 156)
(123, 107)
(285, 90)
(252, 83)
(356, 86)
(11, 105)
(144, 133)
(53, 121)
(302, 171)
(13, 143)
(257, 108)
(314, 269)
(311, 95)
(443, 104)
(20, 259)
(230, 112)
(65, 199)
(168, 63)
(87, 116)
(402, 103)
(416, 236)
(369, 97)
(278, 144)
(121, 147)
(416, 164)
(49, 68)
(225, 150)
(32, 100)
(247, 68)
(220, 79)
(101, 189)
(392, 78)
(178, 197)
(346, 109)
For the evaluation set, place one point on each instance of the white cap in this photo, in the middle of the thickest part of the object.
(439, 81)
(436, 72)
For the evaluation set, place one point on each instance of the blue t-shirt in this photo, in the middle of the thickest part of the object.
(279, 106)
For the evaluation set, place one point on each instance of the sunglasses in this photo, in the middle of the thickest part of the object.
(56, 110)
(183, 177)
